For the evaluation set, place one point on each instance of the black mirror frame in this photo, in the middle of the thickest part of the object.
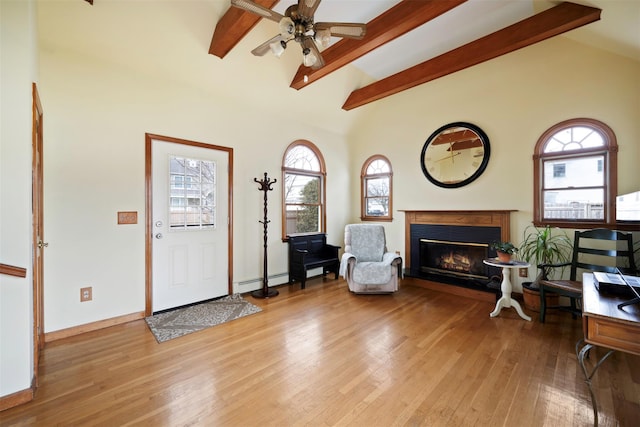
(483, 165)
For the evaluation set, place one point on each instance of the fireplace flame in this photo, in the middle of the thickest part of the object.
(455, 262)
(446, 257)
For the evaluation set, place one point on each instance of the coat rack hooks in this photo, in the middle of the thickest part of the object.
(266, 185)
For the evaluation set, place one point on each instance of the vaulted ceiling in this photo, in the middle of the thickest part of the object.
(403, 18)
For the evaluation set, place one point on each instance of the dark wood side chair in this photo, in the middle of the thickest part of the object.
(593, 250)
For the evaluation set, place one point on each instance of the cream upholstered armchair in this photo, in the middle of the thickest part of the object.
(366, 265)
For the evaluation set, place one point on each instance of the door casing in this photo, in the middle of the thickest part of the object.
(149, 138)
(37, 194)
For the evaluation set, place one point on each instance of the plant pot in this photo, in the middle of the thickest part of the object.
(532, 298)
(503, 256)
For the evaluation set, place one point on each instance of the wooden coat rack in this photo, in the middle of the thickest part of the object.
(266, 185)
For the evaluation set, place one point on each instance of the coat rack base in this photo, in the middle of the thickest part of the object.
(262, 293)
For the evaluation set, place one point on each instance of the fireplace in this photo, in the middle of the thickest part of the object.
(448, 247)
(459, 259)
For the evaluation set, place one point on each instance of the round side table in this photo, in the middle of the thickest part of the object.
(505, 300)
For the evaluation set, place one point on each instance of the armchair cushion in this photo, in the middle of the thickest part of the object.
(366, 264)
(367, 243)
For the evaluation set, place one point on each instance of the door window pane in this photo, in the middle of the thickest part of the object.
(192, 198)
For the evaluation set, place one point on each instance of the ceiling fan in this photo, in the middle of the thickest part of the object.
(297, 24)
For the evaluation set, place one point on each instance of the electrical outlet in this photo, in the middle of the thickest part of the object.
(86, 294)
(523, 272)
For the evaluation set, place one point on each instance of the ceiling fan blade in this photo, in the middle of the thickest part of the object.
(253, 7)
(307, 8)
(266, 46)
(308, 43)
(343, 29)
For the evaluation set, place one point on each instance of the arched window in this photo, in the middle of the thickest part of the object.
(303, 189)
(376, 179)
(575, 170)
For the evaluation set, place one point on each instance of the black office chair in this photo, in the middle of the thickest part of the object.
(593, 250)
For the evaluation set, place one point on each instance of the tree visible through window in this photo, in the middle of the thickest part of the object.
(375, 180)
(575, 174)
(303, 189)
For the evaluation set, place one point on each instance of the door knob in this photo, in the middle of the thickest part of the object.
(42, 244)
(159, 236)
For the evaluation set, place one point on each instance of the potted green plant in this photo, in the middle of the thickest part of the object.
(545, 248)
(504, 250)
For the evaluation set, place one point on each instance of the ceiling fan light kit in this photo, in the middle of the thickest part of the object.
(323, 37)
(308, 58)
(287, 27)
(277, 48)
(297, 24)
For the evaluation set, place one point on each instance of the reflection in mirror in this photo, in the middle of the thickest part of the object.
(461, 152)
(455, 155)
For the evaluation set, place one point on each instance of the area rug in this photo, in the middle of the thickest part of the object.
(182, 321)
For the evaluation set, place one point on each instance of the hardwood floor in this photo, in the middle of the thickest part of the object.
(324, 356)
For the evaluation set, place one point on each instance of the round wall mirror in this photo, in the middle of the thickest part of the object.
(455, 155)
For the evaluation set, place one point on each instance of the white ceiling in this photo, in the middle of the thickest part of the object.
(618, 29)
(171, 39)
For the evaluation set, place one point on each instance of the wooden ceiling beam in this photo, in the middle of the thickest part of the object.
(557, 20)
(233, 26)
(393, 23)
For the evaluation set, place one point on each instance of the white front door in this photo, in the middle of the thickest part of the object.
(190, 217)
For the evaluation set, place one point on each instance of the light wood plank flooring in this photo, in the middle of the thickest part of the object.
(323, 357)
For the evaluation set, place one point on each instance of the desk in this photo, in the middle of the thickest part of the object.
(505, 300)
(605, 325)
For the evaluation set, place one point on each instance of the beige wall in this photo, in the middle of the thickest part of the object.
(94, 147)
(514, 99)
(17, 71)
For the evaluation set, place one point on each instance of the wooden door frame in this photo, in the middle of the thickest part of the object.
(149, 138)
(37, 224)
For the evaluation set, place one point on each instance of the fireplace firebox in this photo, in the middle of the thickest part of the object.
(460, 259)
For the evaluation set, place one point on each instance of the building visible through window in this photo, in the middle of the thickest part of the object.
(559, 170)
(628, 207)
(192, 193)
(575, 161)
